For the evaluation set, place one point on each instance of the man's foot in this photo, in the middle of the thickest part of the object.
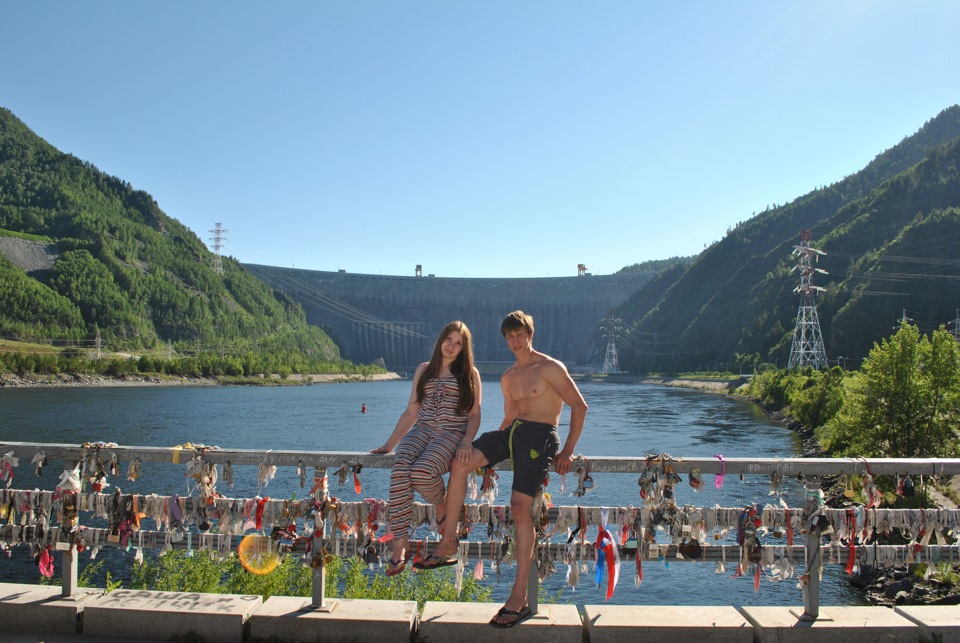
(508, 618)
(436, 560)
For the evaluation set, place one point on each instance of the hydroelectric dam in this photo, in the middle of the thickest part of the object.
(396, 319)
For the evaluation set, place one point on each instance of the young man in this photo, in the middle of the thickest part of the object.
(535, 389)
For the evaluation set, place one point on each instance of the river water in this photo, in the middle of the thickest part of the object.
(623, 420)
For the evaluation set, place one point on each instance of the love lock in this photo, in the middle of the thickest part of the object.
(908, 487)
(370, 556)
(823, 524)
(690, 549)
(696, 479)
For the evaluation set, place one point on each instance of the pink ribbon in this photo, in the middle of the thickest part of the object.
(718, 481)
(46, 562)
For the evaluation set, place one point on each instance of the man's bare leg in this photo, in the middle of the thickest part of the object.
(521, 506)
(440, 511)
(456, 494)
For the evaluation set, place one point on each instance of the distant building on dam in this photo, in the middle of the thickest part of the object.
(396, 319)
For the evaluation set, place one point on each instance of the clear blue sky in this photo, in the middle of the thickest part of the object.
(479, 139)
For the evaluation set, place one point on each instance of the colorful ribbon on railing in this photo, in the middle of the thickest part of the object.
(718, 481)
(608, 561)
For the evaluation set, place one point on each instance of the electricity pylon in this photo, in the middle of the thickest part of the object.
(610, 327)
(217, 238)
(807, 348)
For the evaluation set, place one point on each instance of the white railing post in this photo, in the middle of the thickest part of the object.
(812, 512)
(533, 584)
(66, 542)
(318, 551)
(69, 560)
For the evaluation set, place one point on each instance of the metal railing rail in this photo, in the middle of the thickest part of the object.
(749, 466)
(813, 520)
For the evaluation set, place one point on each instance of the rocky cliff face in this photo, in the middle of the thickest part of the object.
(32, 256)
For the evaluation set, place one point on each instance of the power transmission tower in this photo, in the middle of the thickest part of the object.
(807, 348)
(218, 238)
(610, 327)
(956, 326)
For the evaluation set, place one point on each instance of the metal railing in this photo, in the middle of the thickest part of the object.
(208, 521)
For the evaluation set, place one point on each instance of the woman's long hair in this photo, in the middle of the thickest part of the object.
(462, 366)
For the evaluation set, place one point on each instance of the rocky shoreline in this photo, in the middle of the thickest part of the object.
(899, 585)
(890, 586)
(68, 380)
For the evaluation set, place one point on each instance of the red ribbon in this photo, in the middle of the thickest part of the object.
(852, 557)
(258, 520)
(608, 547)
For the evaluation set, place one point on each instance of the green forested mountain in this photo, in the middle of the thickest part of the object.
(121, 267)
(891, 234)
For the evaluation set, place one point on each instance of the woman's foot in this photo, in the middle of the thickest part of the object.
(398, 557)
(396, 566)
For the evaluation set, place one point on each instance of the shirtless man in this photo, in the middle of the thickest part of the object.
(535, 389)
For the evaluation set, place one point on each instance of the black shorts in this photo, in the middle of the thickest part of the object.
(532, 447)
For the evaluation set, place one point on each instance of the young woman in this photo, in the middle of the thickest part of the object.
(439, 423)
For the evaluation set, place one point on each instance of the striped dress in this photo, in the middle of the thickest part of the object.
(425, 453)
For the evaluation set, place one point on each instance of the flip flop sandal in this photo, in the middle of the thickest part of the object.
(396, 566)
(440, 561)
(519, 617)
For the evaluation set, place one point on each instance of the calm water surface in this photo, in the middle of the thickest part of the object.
(623, 420)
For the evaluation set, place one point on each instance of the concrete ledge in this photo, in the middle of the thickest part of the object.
(840, 624)
(40, 608)
(469, 623)
(141, 614)
(289, 618)
(936, 622)
(669, 623)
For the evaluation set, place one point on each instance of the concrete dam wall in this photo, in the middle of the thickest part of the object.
(397, 319)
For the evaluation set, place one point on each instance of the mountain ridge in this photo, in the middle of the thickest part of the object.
(733, 300)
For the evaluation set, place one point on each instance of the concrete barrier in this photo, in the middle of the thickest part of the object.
(145, 615)
(936, 622)
(142, 614)
(469, 623)
(288, 618)
(665, 622)
(40, 608)
(834, 624)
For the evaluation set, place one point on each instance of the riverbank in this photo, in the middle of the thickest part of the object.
(66, 380)
(711, 385)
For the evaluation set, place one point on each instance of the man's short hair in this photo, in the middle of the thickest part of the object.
(516, 319)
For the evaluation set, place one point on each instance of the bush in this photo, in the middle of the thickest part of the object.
(179, 571)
